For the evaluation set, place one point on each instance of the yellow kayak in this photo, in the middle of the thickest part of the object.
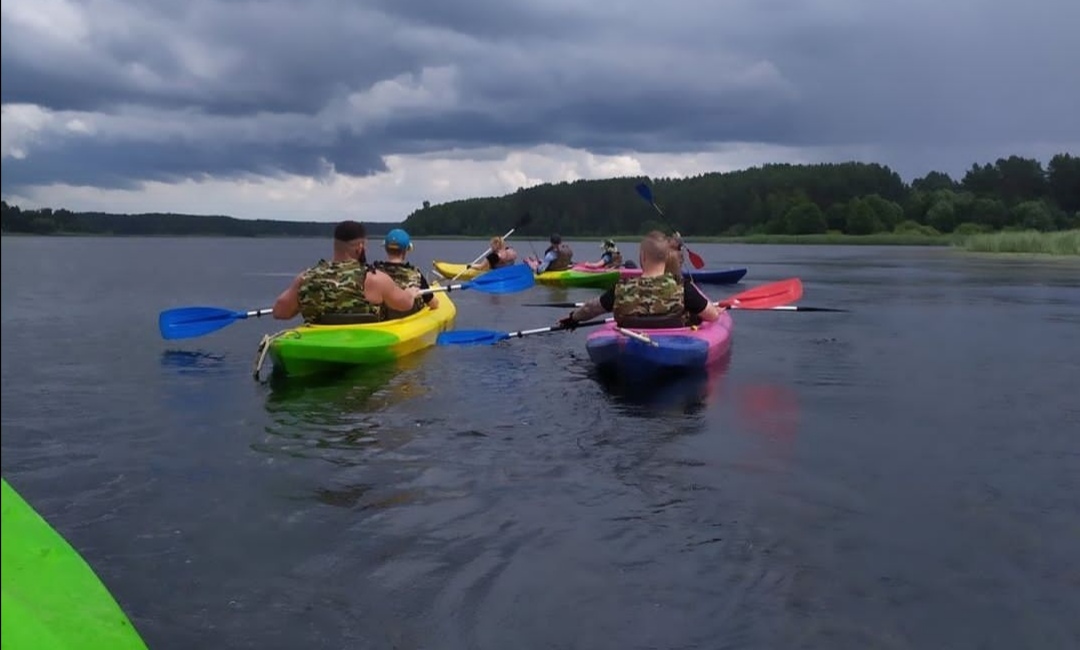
(450, 269)
(598, 279)
(311, 349)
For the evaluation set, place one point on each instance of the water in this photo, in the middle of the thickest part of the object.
(905, 475)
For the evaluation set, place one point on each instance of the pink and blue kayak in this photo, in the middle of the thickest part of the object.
(666, 350)
(714, 276)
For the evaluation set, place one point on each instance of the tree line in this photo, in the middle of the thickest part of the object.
(46, 221)
(852, 198)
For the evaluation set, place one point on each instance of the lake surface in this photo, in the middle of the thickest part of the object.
(904, 475)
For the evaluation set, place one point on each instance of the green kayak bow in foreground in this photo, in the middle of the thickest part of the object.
(52, 599)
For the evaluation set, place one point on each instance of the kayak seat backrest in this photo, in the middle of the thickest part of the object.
(347, 319)
(652, 322)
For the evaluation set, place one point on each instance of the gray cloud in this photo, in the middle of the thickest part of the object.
(241, 88)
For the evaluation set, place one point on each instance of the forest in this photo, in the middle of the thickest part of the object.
(47, 221)
(852, 198)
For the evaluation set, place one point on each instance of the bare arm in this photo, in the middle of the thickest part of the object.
(698, 304)
(287, 304)
(380, 288)
(710, 313)
(593, 308)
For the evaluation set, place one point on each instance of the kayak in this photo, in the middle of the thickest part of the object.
(52, 599)
(451, 269)
(714, 276)
(574, 278)
(590, 278)
(672, 349)
(313, 349)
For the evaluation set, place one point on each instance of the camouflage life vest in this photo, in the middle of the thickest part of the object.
(564, 257)
(405, 275)
(649, 302)
(335, 288)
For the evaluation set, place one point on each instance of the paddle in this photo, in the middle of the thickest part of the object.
(575, 305)
(522, 221)
(507, 279)
(490, 337)
(775, 295)
(189, 322)
(766, 296)
(647, 194)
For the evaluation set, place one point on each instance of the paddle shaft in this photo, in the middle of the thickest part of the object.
(637, 335)
(556, 328)
(486, 252)
(258, 313)
(575, 305)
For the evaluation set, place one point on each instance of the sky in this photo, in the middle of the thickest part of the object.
(320, 110)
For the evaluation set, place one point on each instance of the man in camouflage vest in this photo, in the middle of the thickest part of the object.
(653, 300)
(345, 289)
(397, 244)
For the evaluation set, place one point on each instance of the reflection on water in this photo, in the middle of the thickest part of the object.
(770, 410)
(686, 392)
(332, 417)
(192, 361)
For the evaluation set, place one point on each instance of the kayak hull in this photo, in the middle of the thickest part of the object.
(52, 599)
(316, 349)
(580, 279)
(680, 349)
(710, 276)
(450, 269)
(574, 277)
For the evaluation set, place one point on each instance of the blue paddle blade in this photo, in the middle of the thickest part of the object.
(470, 337)
(508, 279)
(644, 191)
(189, 322)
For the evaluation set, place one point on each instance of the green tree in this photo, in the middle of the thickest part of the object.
(804, 218)
(861, 218)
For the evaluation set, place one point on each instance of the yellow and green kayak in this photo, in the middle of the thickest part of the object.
(52, 599)
(314, 349)
(568, 278)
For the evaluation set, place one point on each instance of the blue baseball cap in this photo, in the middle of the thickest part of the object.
(398, 238)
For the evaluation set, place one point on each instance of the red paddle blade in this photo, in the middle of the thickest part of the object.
(695, 259)
(766, 296)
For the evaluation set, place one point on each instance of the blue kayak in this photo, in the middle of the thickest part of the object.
(704, 276)
(724, 276)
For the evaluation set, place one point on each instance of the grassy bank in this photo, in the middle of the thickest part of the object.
(880, 239)
(834, 239)
(1065, 242)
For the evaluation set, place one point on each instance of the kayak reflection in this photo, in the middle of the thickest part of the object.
(332, 418)
(687, 392)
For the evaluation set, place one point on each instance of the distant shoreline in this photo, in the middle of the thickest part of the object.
(1044, 244)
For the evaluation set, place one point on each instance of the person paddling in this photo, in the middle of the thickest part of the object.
(557, 257)
(346, 289)
(610, 259)
(658, 298)
(397, 245)
(499, 255)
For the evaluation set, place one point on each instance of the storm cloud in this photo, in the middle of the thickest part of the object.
(115, 93)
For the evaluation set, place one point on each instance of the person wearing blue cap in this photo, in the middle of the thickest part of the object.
(397, 245)
(345, 289)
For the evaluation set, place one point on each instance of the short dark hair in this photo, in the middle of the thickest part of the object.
(349, 231)
(555, 239)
